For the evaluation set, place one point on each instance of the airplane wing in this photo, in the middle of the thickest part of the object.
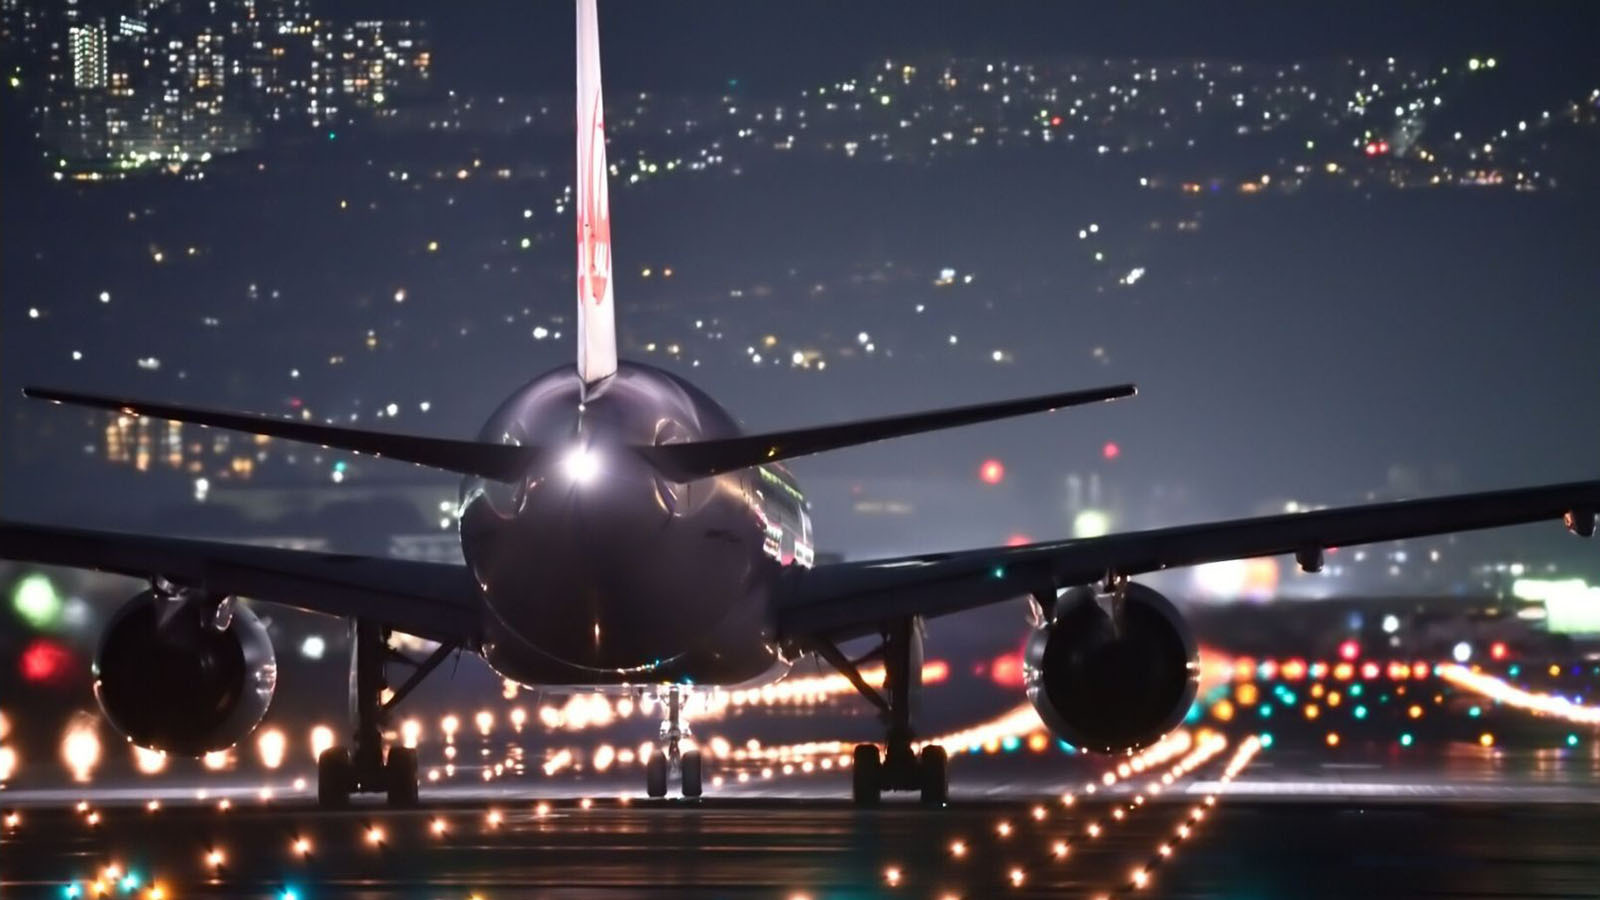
(429, 600)
(699, 459)
(855, 598)
(501, 462)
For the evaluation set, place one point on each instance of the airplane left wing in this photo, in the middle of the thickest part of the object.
(856, 598)
(429, 600)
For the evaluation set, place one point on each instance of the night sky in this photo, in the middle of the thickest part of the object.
(1326, 346)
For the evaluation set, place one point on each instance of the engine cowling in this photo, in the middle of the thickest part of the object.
(170, 679)
(1112, 690)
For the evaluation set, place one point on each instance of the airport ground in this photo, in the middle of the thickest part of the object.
(1295, 822)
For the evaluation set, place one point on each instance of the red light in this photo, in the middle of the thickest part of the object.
(1111, 450)
(992, 471)
(44, 661)
(1498, 650)
(1383, 146)
(1349, 650)
(1055, 121)
(1018, 540)
(1006, 670)
(1372, 149)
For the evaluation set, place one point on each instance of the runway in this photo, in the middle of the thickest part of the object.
(1294, 823)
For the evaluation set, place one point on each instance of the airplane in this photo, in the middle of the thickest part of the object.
(621, 533)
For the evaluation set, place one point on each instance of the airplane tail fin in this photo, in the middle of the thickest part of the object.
(597, 324)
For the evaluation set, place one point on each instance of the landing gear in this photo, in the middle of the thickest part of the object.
(671, 756)
(900, 767)
(369, 767)
(336, 777)
(655, 776)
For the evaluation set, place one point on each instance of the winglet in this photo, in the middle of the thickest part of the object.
(597, 325)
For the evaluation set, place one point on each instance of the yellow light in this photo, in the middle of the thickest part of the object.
(374, 835)
(302, 846)
(891, 876)
(1003, 829)
(1312, 711)
(215, 858)
(1333, 698)
(1486, 739)
(1059, 849)
(1333, 739)
(1017, 877)
(410, 733)
(147, 761)
(958, 849)
(1141, 877)
(321, 739)
(493, 818)
(80, 749)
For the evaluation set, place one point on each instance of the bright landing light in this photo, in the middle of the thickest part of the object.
(581, 465)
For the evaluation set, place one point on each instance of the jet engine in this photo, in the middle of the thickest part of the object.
(184, 675)
(1112, 685)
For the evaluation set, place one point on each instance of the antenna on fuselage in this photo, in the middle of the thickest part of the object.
(597, 323)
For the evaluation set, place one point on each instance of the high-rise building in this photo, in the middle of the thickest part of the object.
(380, 63)
(88, 48)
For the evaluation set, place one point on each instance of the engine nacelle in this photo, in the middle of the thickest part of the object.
(1106, 689)
(170, 679)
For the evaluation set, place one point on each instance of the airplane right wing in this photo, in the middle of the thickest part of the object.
(855, 598)
(430, 600)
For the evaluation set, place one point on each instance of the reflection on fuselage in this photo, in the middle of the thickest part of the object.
(595, 570)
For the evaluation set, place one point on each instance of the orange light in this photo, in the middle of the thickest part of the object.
(1333, 739)
(1414, 711)
(1312, 711)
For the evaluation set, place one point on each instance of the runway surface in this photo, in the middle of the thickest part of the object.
(1295, 823)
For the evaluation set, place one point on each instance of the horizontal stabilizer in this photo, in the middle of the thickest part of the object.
(501, 462)
(700, 459)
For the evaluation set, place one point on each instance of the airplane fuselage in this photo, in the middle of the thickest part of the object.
(596, 570)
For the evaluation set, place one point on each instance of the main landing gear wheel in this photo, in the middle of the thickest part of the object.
(336, 778)
(655, 775)
(866, 775)
(689, 769)
(933, 771)
(400, 776)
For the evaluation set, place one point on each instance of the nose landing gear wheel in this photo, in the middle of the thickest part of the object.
(655, 775)
(400, 775)
(866, 775)
(690, 768)
(336, 778)
(933, 775)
